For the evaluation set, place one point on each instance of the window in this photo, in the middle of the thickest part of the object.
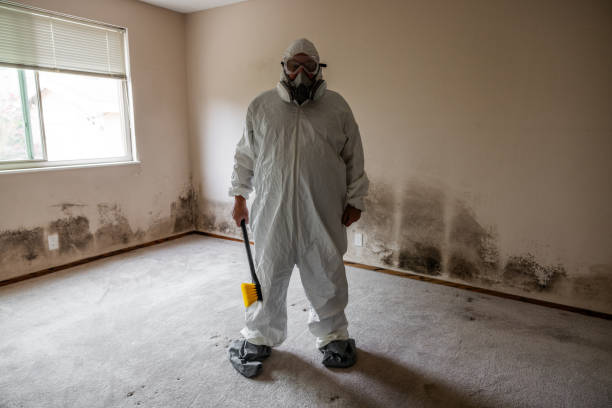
(64, 90)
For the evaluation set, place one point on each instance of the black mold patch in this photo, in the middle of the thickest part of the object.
(114, 227)
(596, 286)
(183, 212)
(207, 222)
(525, 273)
(216, 217)
(461, 268)
(405, 229)
(473, 252)
(73, 233)
(423, 259)
(421, 229)
(377, 221)
(66, 207)
(21, 244)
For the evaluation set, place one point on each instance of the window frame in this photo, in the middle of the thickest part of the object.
(126, 111)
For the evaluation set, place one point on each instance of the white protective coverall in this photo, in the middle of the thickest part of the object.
(306, 164)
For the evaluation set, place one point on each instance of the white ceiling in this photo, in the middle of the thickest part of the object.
(189, 6)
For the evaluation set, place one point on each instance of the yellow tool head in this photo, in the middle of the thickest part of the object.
(249, 293)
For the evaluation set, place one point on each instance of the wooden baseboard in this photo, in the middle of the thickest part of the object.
(408, 275)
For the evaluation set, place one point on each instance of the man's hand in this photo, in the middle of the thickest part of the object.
(351, 215)
(240, 211)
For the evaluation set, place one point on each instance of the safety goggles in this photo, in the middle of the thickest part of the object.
(311, 65)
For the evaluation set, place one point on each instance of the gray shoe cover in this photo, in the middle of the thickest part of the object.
(246, 357)
(339, 353)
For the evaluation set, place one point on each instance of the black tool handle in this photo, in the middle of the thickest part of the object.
(251, 265)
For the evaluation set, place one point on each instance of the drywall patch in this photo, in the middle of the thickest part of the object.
(73, 233)
(114, 227)
(21, 244)
(183, 211)
(525, 273)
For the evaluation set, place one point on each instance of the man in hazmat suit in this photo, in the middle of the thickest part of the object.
(302, 154)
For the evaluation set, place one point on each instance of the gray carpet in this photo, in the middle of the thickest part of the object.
(150, 328)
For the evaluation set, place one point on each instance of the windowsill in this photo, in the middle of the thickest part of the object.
(69, 167)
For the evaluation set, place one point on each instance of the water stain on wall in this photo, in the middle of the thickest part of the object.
(73, 233)
(21, 244)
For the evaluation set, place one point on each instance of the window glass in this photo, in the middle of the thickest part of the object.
(82, 116)
(12, 127)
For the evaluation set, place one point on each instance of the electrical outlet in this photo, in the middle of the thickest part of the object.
(53, 242)
(358, 239)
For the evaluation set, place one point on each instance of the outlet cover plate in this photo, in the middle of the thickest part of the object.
(53, 242)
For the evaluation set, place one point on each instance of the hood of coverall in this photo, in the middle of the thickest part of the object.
(300, 46)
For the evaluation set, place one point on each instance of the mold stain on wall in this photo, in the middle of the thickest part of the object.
(215, 217)
(73, 234)
(525, 273)
(183, 211)
(595, 285)
(421, 227)
(25, 250)
(474, 255)
(114, 227)
(437, 234)
(379, 224)
(21, 245)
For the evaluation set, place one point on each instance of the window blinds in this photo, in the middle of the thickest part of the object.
(30, 38)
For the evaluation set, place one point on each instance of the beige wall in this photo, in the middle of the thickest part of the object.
(487, 129)
(96, 210)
